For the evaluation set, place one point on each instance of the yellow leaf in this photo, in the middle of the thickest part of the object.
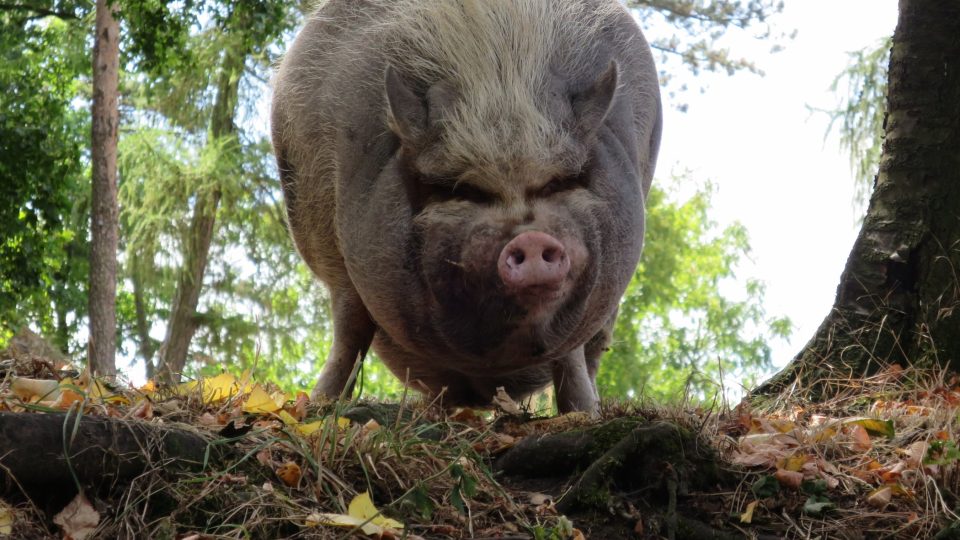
(287, 418)
(342, 520)
(219, 388)
(343, 422)
(99, 390)
(747, 516)
(259, 401)
(280, 398)
(310, 428)
(795, 463)
(825, 434)
(149, 387)
(184, 389)
(362, 507)
(6, 520)
(874, 426)
(783, 426)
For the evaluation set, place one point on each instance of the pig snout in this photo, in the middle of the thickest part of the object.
(533, 262)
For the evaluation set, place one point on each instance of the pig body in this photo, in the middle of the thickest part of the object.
(468, 178)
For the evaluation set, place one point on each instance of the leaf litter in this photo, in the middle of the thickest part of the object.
(878, 460)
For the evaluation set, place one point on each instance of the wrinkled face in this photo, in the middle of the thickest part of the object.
(507, 265)
(522, 258)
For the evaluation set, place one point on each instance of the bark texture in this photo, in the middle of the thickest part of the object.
(183, 318)
(104, 211)
(59, 450)
(898, 295)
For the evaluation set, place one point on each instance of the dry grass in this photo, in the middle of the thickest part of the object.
(419, 462)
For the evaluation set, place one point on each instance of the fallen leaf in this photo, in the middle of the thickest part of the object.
(259, 401)
(861, 439)
(6, 520)
(791, 479)
(289, 472)
(747, 515)
(68, 396)
(219, 388)
(309, 428)
(874, 425)
(299, 409)
(795, 463)
(916, 452)
(371, 426)
(880, 497)
(264, 458)
(34, 389)
(360, 513)
(504, 402)
(78, 519)
(362, 507)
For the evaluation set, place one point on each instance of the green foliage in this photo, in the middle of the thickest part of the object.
(679, 332)
(260, 307)
(42, 219)
(465, 487)
(861, 113)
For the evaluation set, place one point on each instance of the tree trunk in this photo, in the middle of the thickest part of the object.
(182, 325)
(104, 212)
(897, 298)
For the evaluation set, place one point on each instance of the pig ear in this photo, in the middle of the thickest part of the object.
(591, 106)
(407, 111)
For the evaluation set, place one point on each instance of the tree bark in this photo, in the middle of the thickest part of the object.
(898, 295)
(182, 325)
(53, 451)
(104, 211)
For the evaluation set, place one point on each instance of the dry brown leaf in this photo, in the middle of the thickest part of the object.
(34, 389)
(78, 519)
(791, 479)
(67, 398)
(880, 497)
(289, 473)
(504, 402)
(861, 439)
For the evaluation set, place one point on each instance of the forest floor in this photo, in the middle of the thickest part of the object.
(232, 458)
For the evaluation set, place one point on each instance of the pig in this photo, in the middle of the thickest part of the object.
(468, 178)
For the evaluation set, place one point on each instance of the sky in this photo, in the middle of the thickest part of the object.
(766, 153)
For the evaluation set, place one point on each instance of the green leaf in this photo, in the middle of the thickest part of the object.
(765, 486)
(817, 505)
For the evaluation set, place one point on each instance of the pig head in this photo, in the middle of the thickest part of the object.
(468, 179)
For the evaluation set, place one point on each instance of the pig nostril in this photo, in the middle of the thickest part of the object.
(518, 257)
(550, 255)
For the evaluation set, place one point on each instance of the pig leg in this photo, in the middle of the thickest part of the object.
(599, 344)
(353, 331)
(575, 388)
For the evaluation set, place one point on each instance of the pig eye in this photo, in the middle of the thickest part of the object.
(561, 183)
(470, 193)
(458, 191)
